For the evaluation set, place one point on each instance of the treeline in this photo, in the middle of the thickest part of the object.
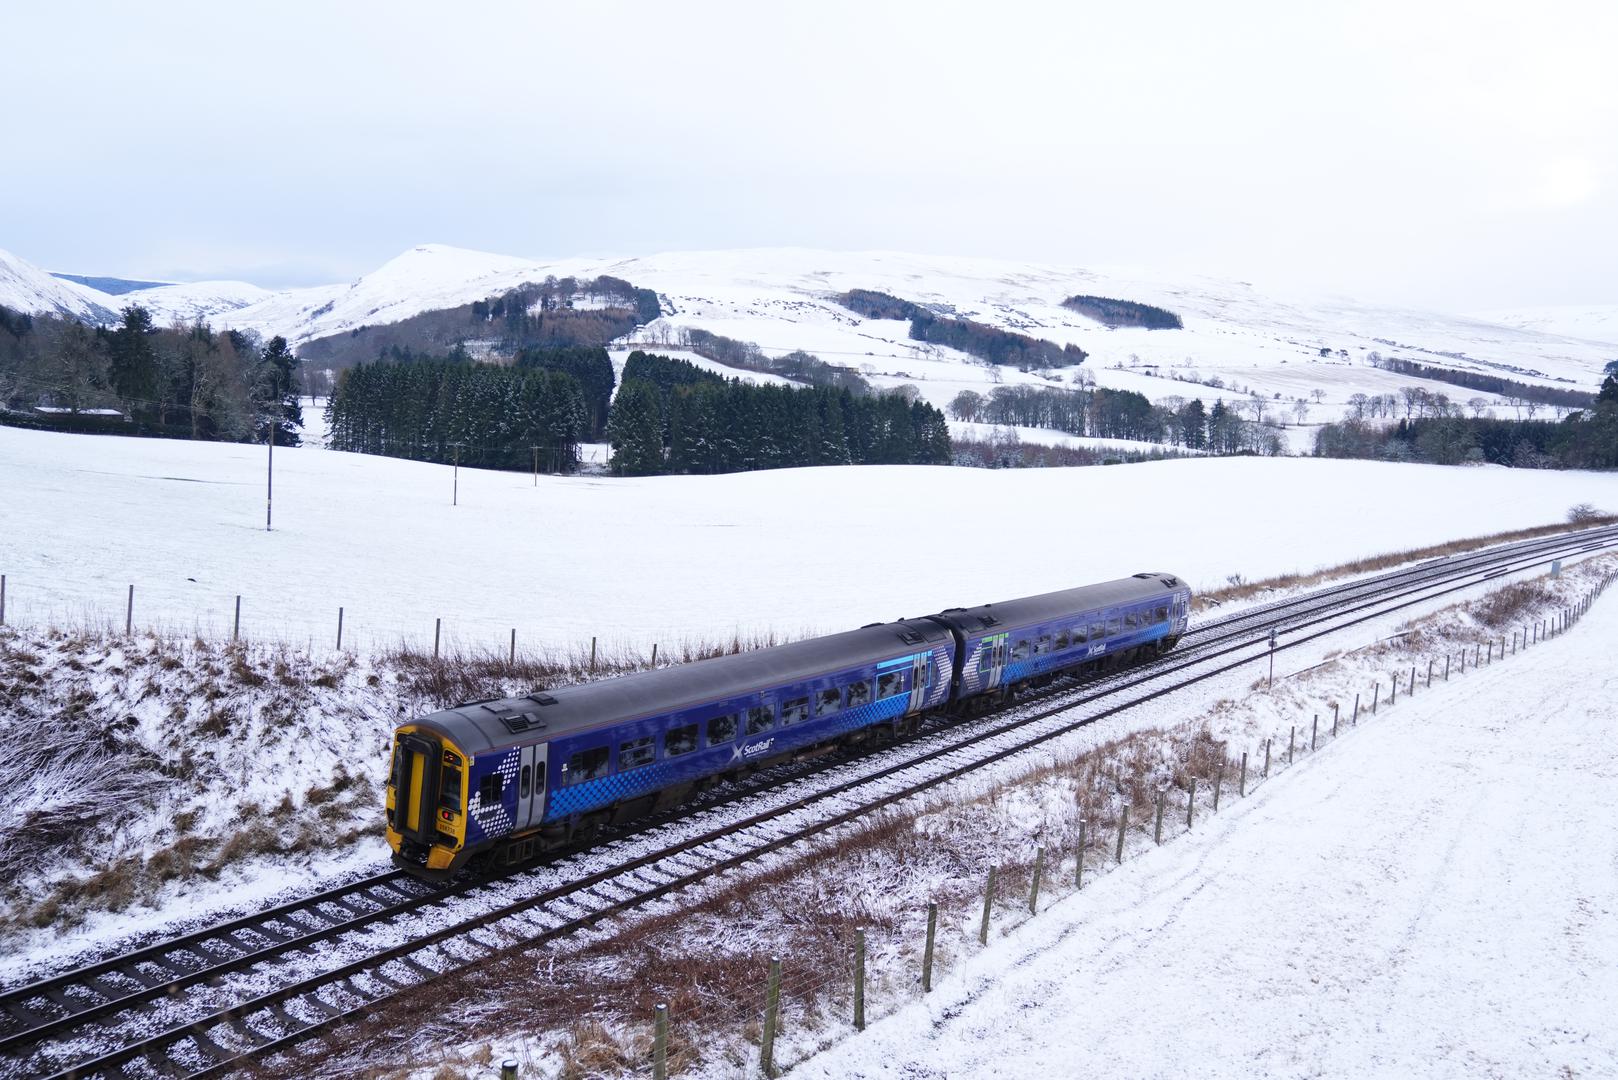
(987, 343)
(1492, 384)
(1116, 313)
(1099, 412)
(1587, 439)
(1012, 453)
(673, 417)
(591, 369)
(184, 381)
(798, 366)
(448, 410)
(554, 313)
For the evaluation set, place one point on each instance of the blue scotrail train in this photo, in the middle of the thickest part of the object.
(496, 782)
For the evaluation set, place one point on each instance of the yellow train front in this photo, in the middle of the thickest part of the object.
(426, 801)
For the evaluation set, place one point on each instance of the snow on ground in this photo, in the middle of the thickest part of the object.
(668, 559)
(1436, 896)
(204, 300)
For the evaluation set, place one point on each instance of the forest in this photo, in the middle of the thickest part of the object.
(673, 417)
(450, 410)
(1098, 412)
(135, 378)
(988, 343)
(1493, 384)
(1115, 313)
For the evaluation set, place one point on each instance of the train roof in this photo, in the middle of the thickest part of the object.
(1045, 607)
(482, 726)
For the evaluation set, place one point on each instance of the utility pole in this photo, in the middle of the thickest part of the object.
(455, 492)
(535, 449)
(269, 475)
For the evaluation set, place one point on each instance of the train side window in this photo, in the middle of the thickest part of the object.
(1115, 625)
(1131, 620)
(489, 789)
(1019, 651)
(1162, 614)
(1078, 635)
(829, 701)
(795, 711)
(1042, 644)
(587, 765)
(680, 740)
(721, 729)
(1097, 631)
(759, 718)
(635, 753)
(1062, 641)
(859, 693)
(526, 784)
(891, 684)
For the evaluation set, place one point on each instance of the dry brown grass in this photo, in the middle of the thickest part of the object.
(1244, 590)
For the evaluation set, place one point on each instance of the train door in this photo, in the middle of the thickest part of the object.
(531, 787)
(995, 669)
(920, 670)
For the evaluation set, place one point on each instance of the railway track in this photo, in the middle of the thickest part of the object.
(212, 999)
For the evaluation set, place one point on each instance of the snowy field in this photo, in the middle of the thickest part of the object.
(669, 559)
(1436, 896)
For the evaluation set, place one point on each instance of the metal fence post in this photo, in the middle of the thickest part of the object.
(1334, 719)
(339, 629)
(1241, 789)
(1314, 733)
(438, 626)
(1446, 667)
(236, 627)
(1355, 719)
(129, 613)
(1292, 737)
(508, 1069)
(512, 660)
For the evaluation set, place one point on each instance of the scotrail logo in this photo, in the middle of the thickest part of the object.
(753, 749)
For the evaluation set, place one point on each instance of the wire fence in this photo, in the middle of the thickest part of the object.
(796, 1004)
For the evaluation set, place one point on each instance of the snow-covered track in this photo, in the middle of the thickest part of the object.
(232, 1017)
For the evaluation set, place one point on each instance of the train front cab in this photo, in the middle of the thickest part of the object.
(426, 801)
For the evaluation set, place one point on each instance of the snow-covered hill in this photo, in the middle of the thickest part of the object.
(1597, 322)
(25, 287)
(208, 300)
(1238, 340)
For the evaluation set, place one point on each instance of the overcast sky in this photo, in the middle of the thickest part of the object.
(1455, 155)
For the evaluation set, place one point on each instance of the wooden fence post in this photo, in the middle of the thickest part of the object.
(660, 1042)
(1292, 737)
(1078, 869)
(654, 654)
(1376, 698)
(772, 1011)
(129, 613)
(927, 956)
(1033, 890)
(1393, 694)
(508, 1069)
(1446, 667)
(1123, 823)
(1157, 829)
(1314, 733)
(1334, 719)
(339, 629)
(1191, 804)
(1219, 782)
(859, 979)
(1241, 790)
(236, 627)
(511, 661)
(988, 906)
(1355, 719)
(592, 652)
(1267, 758)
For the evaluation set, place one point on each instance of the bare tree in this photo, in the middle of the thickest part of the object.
(1300, 409)
(1477, 405)
(1358, 403)
(1530, 407)
(1318, 394)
